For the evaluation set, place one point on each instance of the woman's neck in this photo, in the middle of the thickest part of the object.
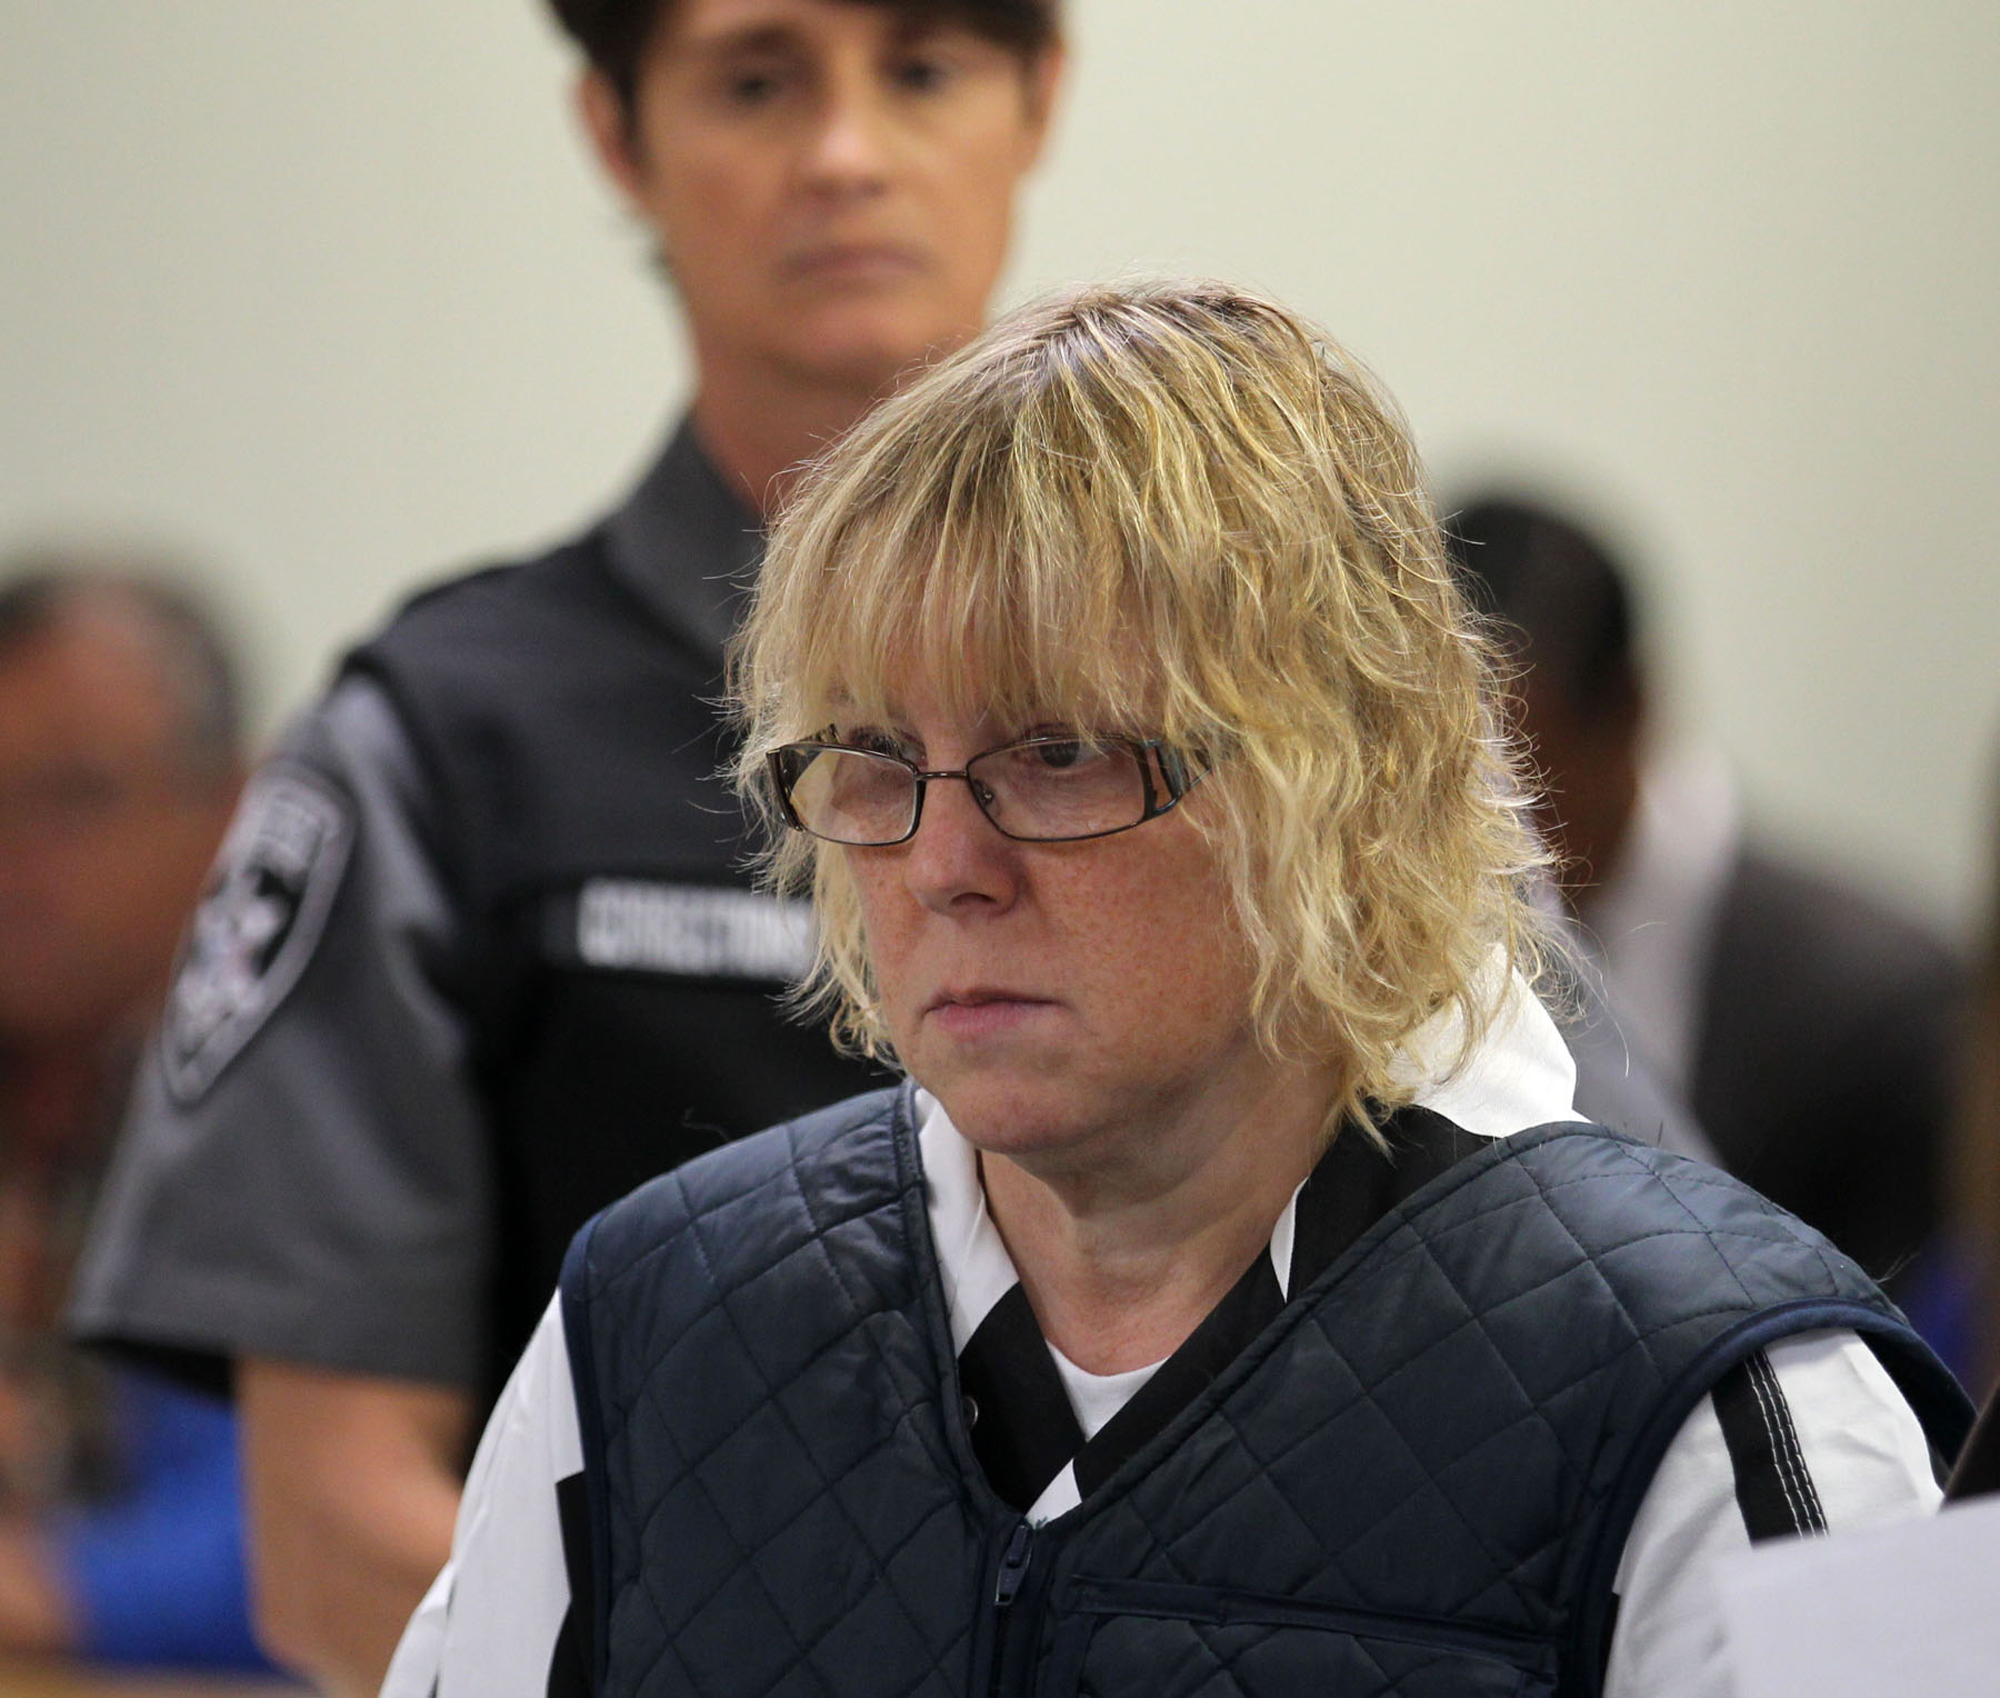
(761, 427)
(1122, 1262)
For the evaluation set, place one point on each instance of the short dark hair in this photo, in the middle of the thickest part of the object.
(41, 588)
(1561, 589)
(614, 34)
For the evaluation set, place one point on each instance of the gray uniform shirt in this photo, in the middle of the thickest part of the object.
(306, 1172)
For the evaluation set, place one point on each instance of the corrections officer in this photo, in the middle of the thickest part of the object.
(478, 955)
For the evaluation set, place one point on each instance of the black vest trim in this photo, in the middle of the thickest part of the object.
(1359, 1180)
(1022, 1425)
(581, 1349)
(1249, 1306)
(573, 1662)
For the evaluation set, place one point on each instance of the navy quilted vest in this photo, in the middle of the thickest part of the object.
(1416, 1481)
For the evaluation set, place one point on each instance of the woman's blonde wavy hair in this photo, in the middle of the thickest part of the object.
(1174, 510)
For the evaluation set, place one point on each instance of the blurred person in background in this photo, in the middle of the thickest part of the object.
(120, 735)
(483, 953)
(1968, 1288)
(1811, 1030)
(1978, 1192)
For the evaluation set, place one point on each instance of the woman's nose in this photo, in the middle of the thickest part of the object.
(852, 148)
(958, 857)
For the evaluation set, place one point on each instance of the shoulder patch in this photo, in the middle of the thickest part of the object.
(257, 924)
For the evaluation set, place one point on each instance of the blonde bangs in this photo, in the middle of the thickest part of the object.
(991, 574)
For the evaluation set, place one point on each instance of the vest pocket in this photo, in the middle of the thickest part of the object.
(1145, 1639)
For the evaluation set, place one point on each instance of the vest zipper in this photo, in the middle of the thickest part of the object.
(1013, 1567)
(1006, 1588)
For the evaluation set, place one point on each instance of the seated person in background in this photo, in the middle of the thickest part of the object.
(120, 1525)
(1229, 1299)
(1810, 1030)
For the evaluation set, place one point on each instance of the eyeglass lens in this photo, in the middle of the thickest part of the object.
(1045, 790)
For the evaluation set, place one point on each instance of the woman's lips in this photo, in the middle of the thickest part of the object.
(857, 262)
(979, 1014)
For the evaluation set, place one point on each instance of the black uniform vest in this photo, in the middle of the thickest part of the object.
(1417, 1480)
(620, 976)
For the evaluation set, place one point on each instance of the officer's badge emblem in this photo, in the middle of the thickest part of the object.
(259, 919)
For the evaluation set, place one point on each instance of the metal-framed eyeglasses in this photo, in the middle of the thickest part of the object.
(1047, 789)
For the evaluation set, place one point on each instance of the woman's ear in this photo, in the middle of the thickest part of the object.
(613, 129)
(1042, 83)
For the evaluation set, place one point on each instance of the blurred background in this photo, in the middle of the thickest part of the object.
(329, 296)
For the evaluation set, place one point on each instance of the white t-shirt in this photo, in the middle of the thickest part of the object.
(1845, 1447)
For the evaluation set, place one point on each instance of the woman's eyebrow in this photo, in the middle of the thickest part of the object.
(912, 28)
(766, 40)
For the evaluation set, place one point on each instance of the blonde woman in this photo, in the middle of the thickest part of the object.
(1230, 1301)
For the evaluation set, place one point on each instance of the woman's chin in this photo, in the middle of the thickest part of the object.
(1023, 1119)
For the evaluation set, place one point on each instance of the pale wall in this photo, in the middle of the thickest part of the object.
(328, 293)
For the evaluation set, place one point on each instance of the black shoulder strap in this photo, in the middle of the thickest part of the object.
(1775, 1492)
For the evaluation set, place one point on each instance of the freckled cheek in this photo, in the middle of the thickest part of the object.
(1118, 943)
(1175, 961)
(887, 932)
